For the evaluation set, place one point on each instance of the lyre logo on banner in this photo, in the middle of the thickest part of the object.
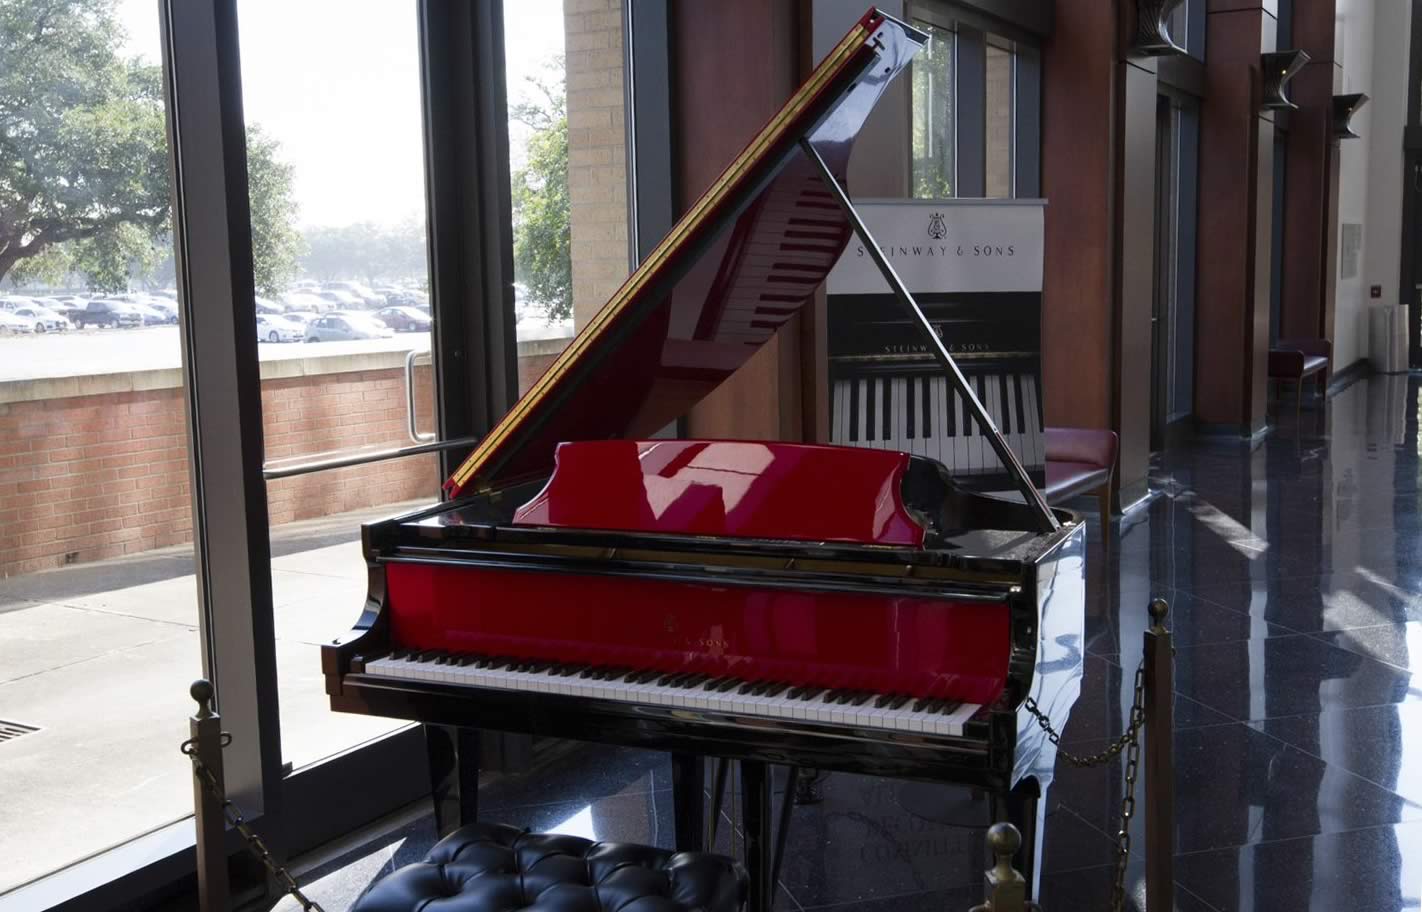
(936, 227)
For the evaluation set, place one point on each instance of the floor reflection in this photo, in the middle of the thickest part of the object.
(1294, 571)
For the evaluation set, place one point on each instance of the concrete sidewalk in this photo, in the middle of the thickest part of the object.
(98, 658)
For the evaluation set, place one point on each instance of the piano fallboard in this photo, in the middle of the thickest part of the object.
(938, 645)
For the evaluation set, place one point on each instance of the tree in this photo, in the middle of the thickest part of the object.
(276, 244)
(366, 251)
(542, 228)
(84, 162)
(82, 147)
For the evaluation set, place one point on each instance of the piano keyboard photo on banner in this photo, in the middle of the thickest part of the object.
(974, 266)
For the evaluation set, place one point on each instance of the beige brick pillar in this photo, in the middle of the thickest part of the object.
(597, 152)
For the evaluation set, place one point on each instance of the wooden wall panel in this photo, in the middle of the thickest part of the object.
(1233, 278)
(1308, 210)
(734, 62)
(1078, 69)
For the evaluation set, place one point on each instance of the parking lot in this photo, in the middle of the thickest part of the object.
(110, 351)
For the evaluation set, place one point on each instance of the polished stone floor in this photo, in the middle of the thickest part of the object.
(1294, 572)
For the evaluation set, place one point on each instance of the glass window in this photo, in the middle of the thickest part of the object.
(568, 163)
(98, 604)
(336, 177)
(934, 107)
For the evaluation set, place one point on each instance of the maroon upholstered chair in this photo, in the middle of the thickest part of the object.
(1081, 461)
(1299, 359)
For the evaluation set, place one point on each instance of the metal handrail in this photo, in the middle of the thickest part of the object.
(415, 435)
(340, 461)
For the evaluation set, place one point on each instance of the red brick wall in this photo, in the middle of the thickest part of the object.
(90, 477)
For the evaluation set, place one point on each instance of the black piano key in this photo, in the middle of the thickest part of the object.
(870, 399)
(921, 704)
(950, 402)
(812, 692)
(795, 693)
(899, 702)
(776, 689)
(746, 688)
(853, 411)
(1021, 412)
(1037, 383)
(860, 698)
(1005, 419)
(884, 700)
(886, 413)
(925, 400)
(909, 410)
(967, 413)
(980, 384)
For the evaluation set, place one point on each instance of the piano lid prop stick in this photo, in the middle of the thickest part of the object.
(1000, 446)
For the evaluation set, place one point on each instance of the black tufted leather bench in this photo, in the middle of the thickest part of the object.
(489, 867)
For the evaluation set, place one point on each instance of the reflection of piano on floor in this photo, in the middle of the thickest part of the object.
(889, 393)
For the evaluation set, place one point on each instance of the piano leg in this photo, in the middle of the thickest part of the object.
(1025, 808)
(689, 800)
(453, 755)
(755, 804)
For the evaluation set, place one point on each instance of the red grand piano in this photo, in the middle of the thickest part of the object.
(773, 603)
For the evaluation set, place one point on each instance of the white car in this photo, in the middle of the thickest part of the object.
(13, 325)
(306, 301)
(277, 328)
(42, 319)
(362, 293)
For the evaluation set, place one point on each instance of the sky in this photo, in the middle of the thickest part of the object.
(336, 82)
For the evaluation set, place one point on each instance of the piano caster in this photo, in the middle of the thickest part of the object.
(453, 755)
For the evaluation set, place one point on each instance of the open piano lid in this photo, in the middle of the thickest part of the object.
(740, 263)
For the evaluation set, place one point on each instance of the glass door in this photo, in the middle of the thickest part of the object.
(332, 102)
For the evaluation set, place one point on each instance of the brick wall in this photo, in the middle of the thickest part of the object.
(105, 475)
(597, 151)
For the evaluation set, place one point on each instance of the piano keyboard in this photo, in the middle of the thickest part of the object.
(925, 415)
(768, 699)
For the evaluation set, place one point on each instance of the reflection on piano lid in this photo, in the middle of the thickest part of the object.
(740, 263)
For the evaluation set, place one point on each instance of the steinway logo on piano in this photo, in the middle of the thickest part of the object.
(915, 251)
(937, 229)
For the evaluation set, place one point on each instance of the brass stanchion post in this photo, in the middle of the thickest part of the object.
(1160, 763)
(205, 733)
(1006, 887)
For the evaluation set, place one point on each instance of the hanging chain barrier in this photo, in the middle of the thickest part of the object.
(212, 789)
(1151, 703)
(1130, 743)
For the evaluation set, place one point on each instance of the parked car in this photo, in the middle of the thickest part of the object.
(268, 306)
(341, 327)
(151, 316)
(362, 293)
(401, 297)
(404, 319)
(306, 301)
(13, 325)
(42, 318)
(108, 313)
(304, 317)
(341, 300)
(277, 328)
(169, 309)
(65, 307)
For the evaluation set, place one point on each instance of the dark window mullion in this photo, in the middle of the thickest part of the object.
(970, 122)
